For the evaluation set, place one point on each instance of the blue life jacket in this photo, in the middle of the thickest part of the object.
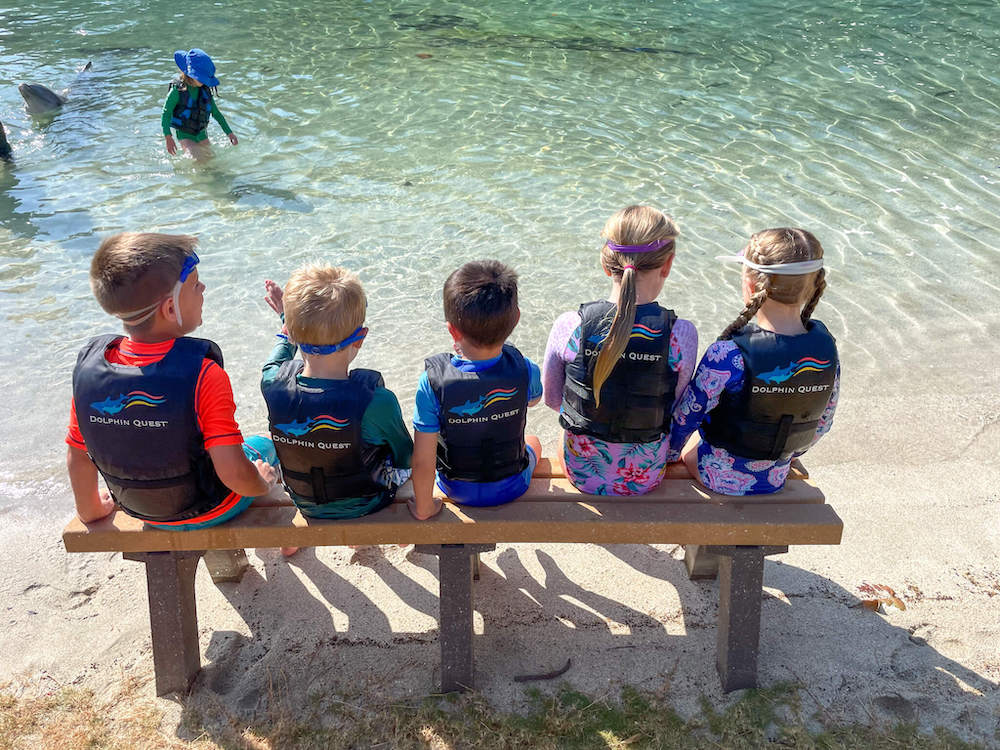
(638, 395)
(483, 415)
(141, 429)
(787, 382)
(317, 434)
(193, 107)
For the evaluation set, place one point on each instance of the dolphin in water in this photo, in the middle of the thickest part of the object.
(5, 154)
(41, 100)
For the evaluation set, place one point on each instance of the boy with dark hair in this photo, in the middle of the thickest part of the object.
(471, 409)
(153, 411)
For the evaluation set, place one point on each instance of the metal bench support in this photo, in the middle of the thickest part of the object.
(741, 580)
(226, 565)
(173, 617)
(455, 620)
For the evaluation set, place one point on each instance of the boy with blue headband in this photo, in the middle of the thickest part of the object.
(339, 433)
(153, 411)
(189, 104)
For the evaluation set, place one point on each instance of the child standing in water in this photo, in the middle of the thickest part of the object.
(189, 103)
(614, 367)
(765, 392)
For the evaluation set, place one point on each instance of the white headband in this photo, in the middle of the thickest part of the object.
(778, 269)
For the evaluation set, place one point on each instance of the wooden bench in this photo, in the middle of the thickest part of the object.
(724, 537)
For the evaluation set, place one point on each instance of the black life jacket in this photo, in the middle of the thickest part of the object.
(141, 429)
(317, 434)
(193, 108)
(637, 397)
(482, 417)
(787, 382)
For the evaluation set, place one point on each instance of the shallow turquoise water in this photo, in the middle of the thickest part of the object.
(872, 124)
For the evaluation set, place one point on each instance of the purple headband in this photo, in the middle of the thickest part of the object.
(647, 248)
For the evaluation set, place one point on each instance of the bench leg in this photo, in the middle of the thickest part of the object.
(741, 579)
(700, 563)
(226, 565)
(455, 621)
(173, 617)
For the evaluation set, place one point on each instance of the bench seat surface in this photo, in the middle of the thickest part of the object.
(679, 511)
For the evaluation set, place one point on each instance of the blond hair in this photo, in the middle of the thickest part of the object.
(634, 225)
(770, 247)
(323, 305)
(132, 270)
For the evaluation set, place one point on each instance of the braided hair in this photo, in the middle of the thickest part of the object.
(772, 247)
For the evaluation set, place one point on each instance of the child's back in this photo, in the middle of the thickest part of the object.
(338, 433)
(766, 391)
(471, 409)
(615, 367)
(153, 412)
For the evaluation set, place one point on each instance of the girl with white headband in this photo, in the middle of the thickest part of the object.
(614, 367)
(765, 392)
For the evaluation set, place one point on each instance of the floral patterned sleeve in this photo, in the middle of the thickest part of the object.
(720, 369)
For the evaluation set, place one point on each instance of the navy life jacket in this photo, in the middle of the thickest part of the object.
(482, 417)
(193, 107)
(317, 434)
(787, 382)
(141, 429)
(637, 397)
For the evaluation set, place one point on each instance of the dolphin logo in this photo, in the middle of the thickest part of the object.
(321, 422)
(638, 331)
(469, 407)
(806, 364)
(495, 396)
(124, 401)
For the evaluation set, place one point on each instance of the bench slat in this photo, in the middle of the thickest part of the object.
(589, 520)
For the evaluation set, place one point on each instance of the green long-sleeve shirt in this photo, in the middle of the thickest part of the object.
(168, 112)
(381, 424)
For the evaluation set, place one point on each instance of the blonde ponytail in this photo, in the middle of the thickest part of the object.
(615, 342)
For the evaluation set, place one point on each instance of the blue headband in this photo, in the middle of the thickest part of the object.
(331, 348)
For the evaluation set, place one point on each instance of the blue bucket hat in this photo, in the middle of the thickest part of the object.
(198, 65)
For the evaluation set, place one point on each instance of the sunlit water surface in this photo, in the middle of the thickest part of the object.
(401, 140)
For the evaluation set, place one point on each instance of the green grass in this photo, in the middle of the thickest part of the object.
(69, 718)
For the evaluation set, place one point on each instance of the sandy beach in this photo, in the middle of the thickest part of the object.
(919, 519)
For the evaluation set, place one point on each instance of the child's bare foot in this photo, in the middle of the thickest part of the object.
(289, 551)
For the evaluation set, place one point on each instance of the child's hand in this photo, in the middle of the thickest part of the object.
(267, 472)
(171, 146)
(424, 514)
(274, 297)
(233, 139)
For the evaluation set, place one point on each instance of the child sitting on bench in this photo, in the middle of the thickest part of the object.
(153, 411)
(471, 408)
(765, 392)
(339, 433)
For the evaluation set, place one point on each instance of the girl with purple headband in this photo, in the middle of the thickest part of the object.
(614, 367)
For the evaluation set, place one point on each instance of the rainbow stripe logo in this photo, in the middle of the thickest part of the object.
(639, 331)
(312, 424)
(493, 397)
(126, 401)
(806, 364)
